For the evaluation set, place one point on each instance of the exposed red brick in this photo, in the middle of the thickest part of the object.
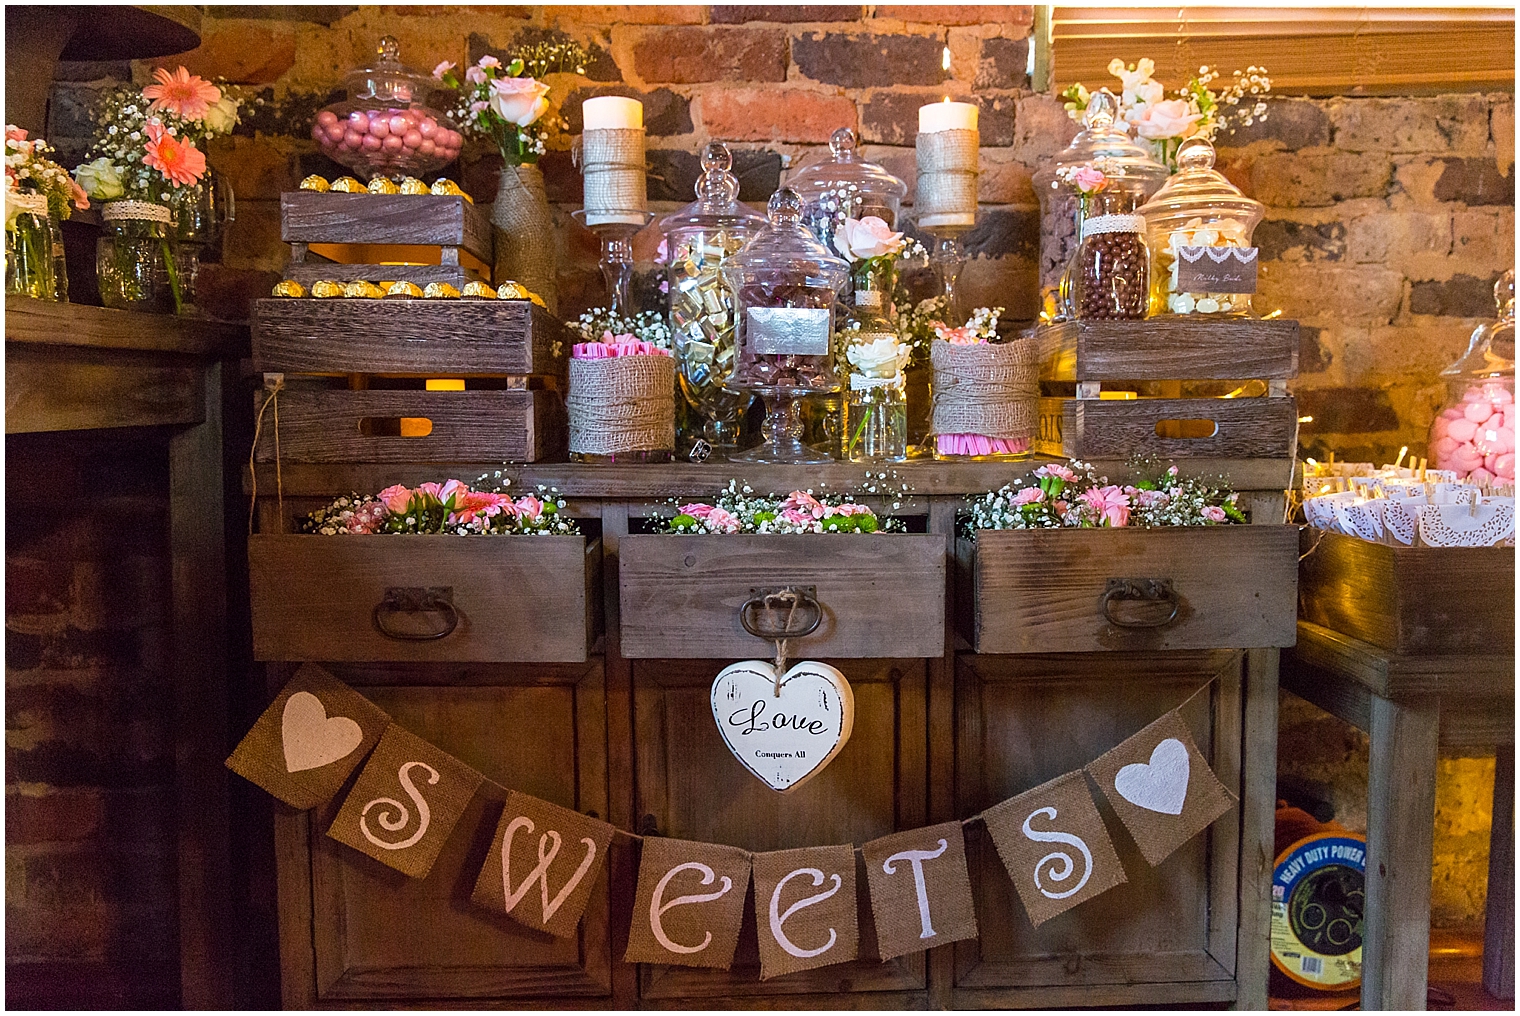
(876, 60)
(687, 55)
(963, 14)
(774, 114)
(739, 14)
(627, 14)
(243, 52)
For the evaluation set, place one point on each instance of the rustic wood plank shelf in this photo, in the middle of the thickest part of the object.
(1169, 349)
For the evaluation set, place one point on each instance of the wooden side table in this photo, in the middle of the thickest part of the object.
(1412, 706)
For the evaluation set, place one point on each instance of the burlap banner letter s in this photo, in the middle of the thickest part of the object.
(920, 889)
(805, 913)
(1055, 846)
(1161, 787)
(405, 803)
(689, 903)
(542, 864)
(315, 733)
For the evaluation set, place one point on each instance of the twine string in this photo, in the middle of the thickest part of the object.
(272, 399)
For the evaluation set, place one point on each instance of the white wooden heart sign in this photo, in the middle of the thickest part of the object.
(1159, 785)
(312, 738)
(784, 740)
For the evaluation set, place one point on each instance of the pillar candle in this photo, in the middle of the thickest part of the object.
(946, 116)
(612, 112)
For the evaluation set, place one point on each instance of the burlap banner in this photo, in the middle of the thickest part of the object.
(554, 850)
(805, 909)
(1055, 846)
(405, 803)
(920, 889)
(689, 903)
(1161, 787)
(314, 734)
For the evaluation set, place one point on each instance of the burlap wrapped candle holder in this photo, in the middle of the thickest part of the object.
(987, 388)
(622, 404)
(947, 170)
(612, 165)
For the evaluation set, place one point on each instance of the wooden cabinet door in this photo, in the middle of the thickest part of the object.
(378, 937)
(690, 786)
(1165, 936)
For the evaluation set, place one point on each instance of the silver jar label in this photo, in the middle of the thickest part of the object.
(788, 331)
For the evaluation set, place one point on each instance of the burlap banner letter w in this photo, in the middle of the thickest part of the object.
(1161, 787)
(689, 903)
(805, 913)
(920, 889)
(405, 834)
(554, 850)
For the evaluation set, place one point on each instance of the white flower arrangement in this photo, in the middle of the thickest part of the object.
(646, 326)
(740, 510)
(508, 104)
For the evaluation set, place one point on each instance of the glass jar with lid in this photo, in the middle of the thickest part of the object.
(699, 239)
(385, 128)
(1198, 207)
(845, 186)
(785, 283)
(1103, 157)
(1474, 434)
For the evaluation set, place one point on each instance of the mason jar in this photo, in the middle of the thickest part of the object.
(132, 258)
(29, 248)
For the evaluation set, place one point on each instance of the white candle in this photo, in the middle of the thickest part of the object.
(946, 116)
(612, 112)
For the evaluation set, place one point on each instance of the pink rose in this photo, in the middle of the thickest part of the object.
(1109, 504)
(1213, 513)
(396, 498)
(1029, 495)
(1088, 179)
(14, 133)
(723, 520)
(870, 237)
(1170, 119)
(697, 511)
(519, 100)
(962, 336)
(529, 508)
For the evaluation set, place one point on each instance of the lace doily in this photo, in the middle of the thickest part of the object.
(1463, 525)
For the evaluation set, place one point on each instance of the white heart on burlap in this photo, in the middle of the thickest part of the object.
(313, 739)
(786, 739)
(1159, 785)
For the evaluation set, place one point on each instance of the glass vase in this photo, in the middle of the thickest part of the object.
(60, 262)
(875, 420)
(29, 249)
(132, 262)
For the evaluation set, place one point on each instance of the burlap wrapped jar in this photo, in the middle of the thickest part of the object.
(986, 388)
(622, 404)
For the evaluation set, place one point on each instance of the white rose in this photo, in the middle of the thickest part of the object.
(222, 116)
(883, 357)
(519, 100)
(1170, 119)
(100, 179)
(870, 237)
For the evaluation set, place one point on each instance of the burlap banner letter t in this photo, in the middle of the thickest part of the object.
(1055, 846)
(312, 736)
(689, 903)
(553, 850)
(1161, 787)
(805, 914)
(920, 889)
(405, 803)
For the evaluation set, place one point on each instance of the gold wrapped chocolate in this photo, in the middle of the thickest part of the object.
(512, 291)
(380, 185)
(288, 287)
(363, 290)
(443, 185)
(403, 289)
(326, 288)
(316, 183)
(439, 291)
(347, 185)
(538, 300)
(479, 289)
(412, 185)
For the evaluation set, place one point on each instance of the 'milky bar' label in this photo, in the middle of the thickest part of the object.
(1216, 269)
(790, 331)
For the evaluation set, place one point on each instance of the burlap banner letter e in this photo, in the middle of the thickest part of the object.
(920, 889)
(1161, 787)
(554, 850)
(1054, 844)
(315, 733)
(689, 903)
(805, 909)
(405, 803)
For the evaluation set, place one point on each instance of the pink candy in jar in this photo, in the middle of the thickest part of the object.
(386, 140)
(1476, 436)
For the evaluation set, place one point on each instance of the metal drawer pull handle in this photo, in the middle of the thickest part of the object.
(417, 600)
(759, 613)
(1150, 591)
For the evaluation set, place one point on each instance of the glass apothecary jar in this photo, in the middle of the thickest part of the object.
(845, 186)
(875, 420)
(1198, 207)
(698, 240)
(1067, 189)
(133, 258)
(1474, 434)
(29, 247)
(785, 283)
(1111, 270)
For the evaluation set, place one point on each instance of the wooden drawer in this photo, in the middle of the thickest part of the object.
(1088, 429)
(1169, 349)
(1410, 600)
(407, 219)
(407, 338)
(1059, 590)
(326, 598)
(881, 595)
(341, 426)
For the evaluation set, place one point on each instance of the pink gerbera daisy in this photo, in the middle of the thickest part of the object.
(181, 93)
(179, 161)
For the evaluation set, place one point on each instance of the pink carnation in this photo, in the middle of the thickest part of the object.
(804, 501)
(396, 498)
(1029, 495)
(798, 516)
(1213, 513)
(1109, 504)
(723, 520)
(1057, 472)
(697, 511)
(446, 493)
(849, 508)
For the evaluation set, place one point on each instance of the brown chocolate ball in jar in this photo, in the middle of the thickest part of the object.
(1113, 269)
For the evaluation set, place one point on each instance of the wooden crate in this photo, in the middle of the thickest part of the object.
(1063, 590)
(447, 221)
(882, 595)
(517, 599)
(408, 338)
(1088, 429)
(1169, 349)
(1410, 600)
(340, 426)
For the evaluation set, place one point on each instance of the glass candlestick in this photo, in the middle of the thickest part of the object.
(616, 230)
